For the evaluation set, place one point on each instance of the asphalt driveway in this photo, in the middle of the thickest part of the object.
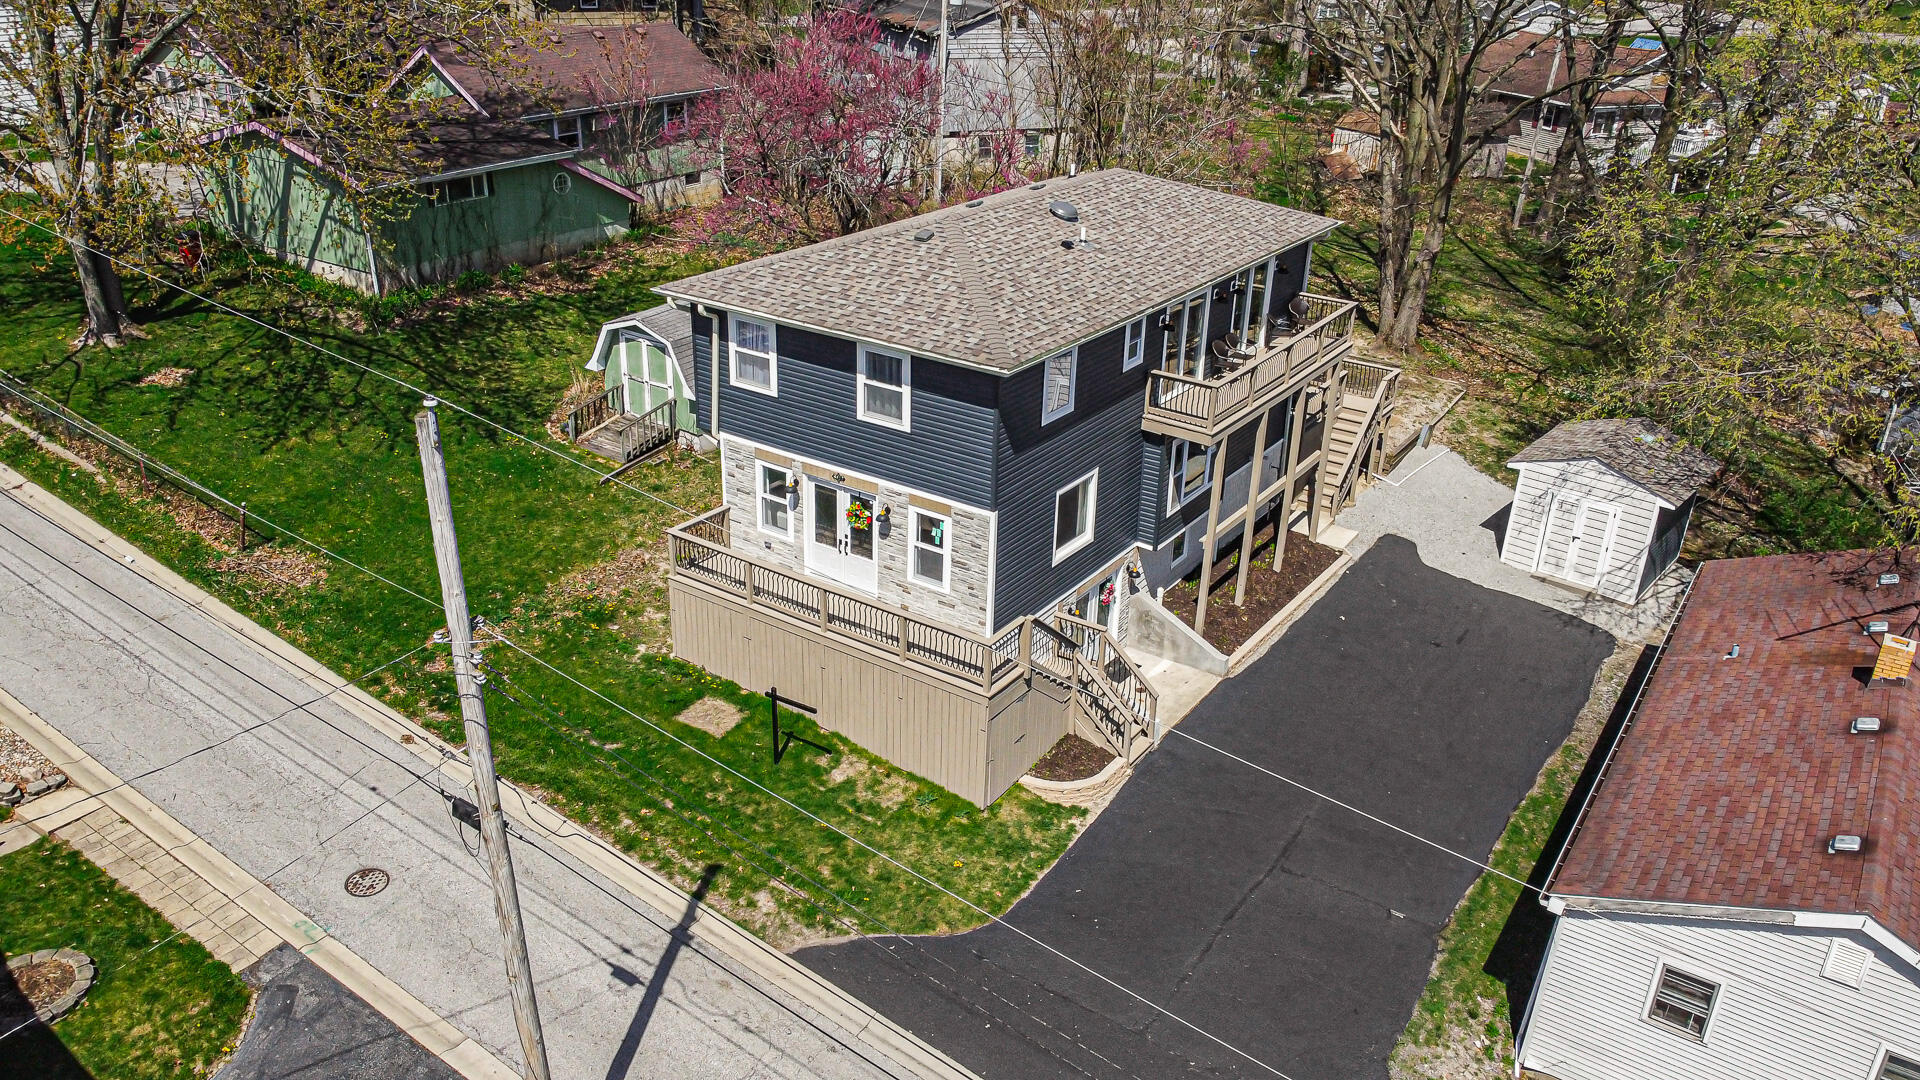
(1283, 925)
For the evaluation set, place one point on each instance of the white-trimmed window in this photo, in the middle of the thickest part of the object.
(776, 489)
(1136, 345)
(929, 542)
(570, 130)
(1073, 515)
(1189, 471)
(1898, 1067)
(885, 387)
(1683, 1002)
(1056, 399)
(751, 345)
(461, 189)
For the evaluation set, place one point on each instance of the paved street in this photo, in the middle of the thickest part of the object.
(139, 678)
(1292, 929)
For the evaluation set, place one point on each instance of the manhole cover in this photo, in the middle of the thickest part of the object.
(367, 881)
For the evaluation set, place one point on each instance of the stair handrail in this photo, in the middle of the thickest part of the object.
(1144, 702)
(595, 413)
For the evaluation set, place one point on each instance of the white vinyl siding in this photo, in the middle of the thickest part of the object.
(1057, 395)
(754, 355)
(1774, 1016)
(1613, 504)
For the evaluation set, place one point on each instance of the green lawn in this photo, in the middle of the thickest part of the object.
(161, 1005)
(573, 570)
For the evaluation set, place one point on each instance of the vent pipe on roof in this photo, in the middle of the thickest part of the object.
(1889, 579)
(1865, 725)
(1877, 626)
(1844, 844)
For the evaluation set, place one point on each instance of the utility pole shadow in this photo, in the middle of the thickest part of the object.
(657, 985)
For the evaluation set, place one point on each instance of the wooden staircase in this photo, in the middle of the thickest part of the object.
(621, 437)
(1353, 426)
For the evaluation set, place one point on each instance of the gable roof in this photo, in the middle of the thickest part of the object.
(1640, 450)
(1733, 772)
(923, 16)
(994, 286)
(570, 61)
(1521, 64)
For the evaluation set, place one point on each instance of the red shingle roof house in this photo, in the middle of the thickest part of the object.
(1737, 897)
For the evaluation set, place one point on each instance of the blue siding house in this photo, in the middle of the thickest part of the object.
(958, 450)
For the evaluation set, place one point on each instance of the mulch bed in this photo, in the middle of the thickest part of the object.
(43, 983)
(1072, 758)
(1268, 590)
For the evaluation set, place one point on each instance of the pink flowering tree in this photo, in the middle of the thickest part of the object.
(826, 138)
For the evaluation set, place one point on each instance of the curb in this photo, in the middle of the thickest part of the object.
(777, 968)
(408, 1013)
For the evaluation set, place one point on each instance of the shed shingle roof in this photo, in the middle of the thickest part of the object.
(1640, 450)
(675, 327)
(1735, 772)
(994, 287)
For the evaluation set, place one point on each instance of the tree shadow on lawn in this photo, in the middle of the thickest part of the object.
(34, 1049)
(1515, 957)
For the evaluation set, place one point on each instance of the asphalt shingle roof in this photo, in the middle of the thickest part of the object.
(994, 285)
(1640, 450)
(1734, 772)
(676, 328)
(581, 66)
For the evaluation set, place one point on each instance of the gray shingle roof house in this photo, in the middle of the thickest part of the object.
(1603, 505)
(1000, 283)
(962, 452)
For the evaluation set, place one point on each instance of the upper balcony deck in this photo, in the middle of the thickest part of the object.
(1202, 410)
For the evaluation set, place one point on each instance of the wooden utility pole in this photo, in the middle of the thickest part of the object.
(940, 106)
(473, 709)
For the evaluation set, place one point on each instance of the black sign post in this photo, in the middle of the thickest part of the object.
(773, 709)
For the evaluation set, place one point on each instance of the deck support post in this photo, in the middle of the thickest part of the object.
(1213, 523)
(1026, 645)
(1253, 502)
(1284, 524)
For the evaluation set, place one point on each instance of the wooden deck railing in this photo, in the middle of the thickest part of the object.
(1204, 407)
(596, 412)
(1077, 654)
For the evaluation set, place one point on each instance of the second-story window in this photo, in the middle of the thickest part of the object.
(1136, 348)
(1073, 515)
(1056, 398)
(752, 346)
(884, 387)
(570, 130)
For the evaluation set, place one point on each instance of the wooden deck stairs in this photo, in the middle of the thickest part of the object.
(1366, 401)
(605, 428)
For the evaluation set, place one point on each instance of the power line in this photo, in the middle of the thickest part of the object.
(976, 908)
(605, 477)
(557, 725)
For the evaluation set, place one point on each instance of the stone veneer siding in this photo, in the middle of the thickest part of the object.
(963, 605)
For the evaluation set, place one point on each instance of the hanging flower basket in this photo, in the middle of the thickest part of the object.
(858, 516)
(1106, 593)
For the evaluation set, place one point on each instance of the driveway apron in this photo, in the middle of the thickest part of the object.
(1289, 929)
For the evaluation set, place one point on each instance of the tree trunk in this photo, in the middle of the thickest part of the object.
(103, 318)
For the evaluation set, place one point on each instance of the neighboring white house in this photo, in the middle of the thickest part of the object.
(1737, 901)
(1603, 505)
(996, 70)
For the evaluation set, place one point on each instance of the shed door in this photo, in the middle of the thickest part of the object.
(1578, 538)
(649, 373)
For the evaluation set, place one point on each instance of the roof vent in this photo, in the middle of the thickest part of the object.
(1845, 843)
(1063, 210)
(1864, 725)
(1889, 579)
(923, 235)
(975, 202)
(1041, 186)
(1877, 626)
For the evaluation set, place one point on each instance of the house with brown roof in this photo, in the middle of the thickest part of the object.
(1526, 65)
(506, 165)
(1737, 898)
(1603, 506)
(962, 453)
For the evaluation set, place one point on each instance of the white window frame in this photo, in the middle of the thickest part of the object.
(762, 495)
(1692, 971)
(571, 130)
(772, 388)
(1179, 452)
(1880, 1060)
(861, 379)
(945, 549)
(1092, 483)
(479, 186)
(1048, 416)
(1133, 344)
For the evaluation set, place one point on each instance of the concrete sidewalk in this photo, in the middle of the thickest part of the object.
(140, 669)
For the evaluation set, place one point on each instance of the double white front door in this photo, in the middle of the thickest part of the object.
(840, 535)
(1578, 539)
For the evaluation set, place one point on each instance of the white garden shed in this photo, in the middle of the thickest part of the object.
(1603, 505)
